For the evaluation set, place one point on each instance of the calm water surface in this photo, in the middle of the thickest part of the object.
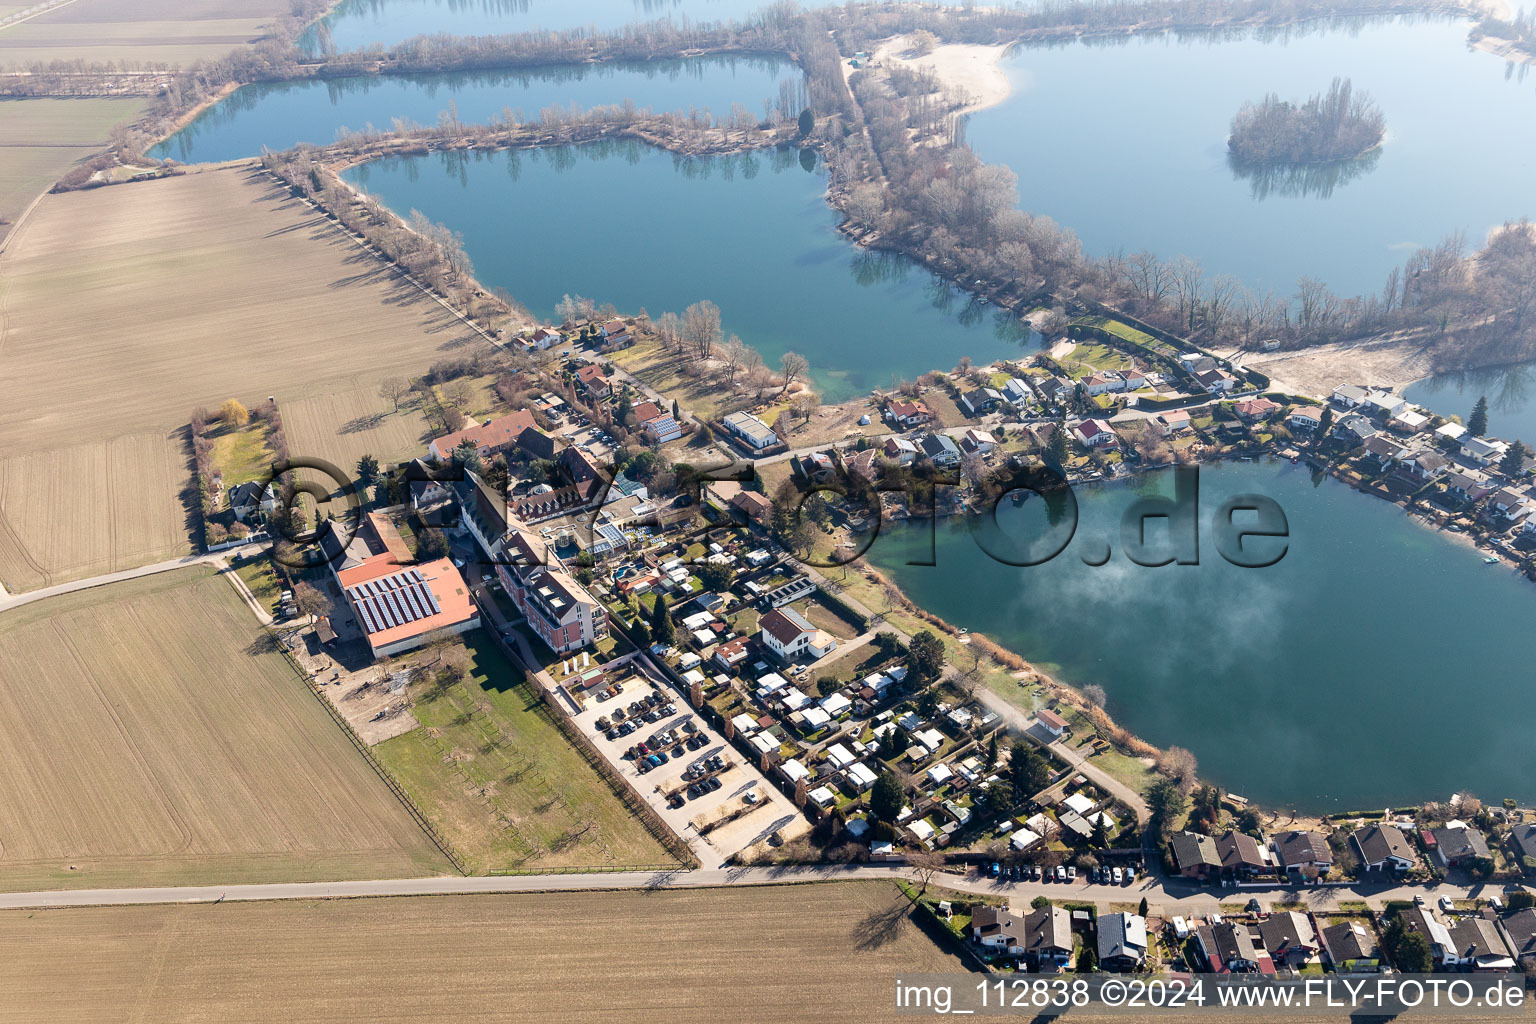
(278, 115)
(639, 227)
(359, 23)
(1377, 663)
(1126, 144)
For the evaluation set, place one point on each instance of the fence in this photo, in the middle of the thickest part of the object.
(591, 869)
(437, 838)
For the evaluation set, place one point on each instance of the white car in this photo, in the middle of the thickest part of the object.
(1446, 904)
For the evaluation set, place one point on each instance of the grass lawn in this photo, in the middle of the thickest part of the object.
(823, 615)
(262, 581)
(944, 409)
(498, 778)
(241, 453)
(667, 373)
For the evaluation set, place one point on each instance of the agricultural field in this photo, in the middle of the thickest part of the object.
(344, 425)
(781, 953)
(151, 739)
(156, 33)
(41, 139)
(502, 783)
(210, 285)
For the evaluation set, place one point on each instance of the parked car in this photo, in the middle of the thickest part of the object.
(1117, 875)
(1034, 872)
(1061, 873)
(1446, 905)
(1071, 873)
(1253, 907)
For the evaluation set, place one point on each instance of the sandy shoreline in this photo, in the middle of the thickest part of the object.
(972, 70)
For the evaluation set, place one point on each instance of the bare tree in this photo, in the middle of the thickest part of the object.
(1094, 694)
(392, 389)
(701, 328)
(791, 366)
(734, 354)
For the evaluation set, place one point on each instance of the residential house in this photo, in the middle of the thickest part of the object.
(1289, 938)
(1467, 485)
(659, 426)
(1348, 396)
(615, 335)
(980, 400)
(1383, 450)
(1252, 410)
(1354, 429)
(1521, 929)
(977, 442)
(1047, 937)
(1303, 853)
(732, 653)
(1305, 418)
(425, 488)
(1095, 434)
(1217, 381)
(786, 633)
(1522, 840)
(1017, 393)
(941, 450)
(998, 930)
(817, 467)
(907, 414)
(1424, 921)
(593, 381)
(1408, 421)
(1196, 362)
(1174, 421)
(752, 431)
(756, 507)
(247, 498)
(1508, 503)
(1383, 404)
(1227, 947)
(545, 338)
(1422, 465)
(1476, 945)
(1122, 942)
(1103, 382)
(865, 465)
(1484, 451)
(1241, 854)
(1451, 431)
(1195, 855)
(1383, 847)
(1135, 380)
(1456, 845)
(1352, 948)
(899, 450)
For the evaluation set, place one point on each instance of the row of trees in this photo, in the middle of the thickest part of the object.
(1337, 125)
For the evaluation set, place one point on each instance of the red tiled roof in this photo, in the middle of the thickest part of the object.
(496, 434)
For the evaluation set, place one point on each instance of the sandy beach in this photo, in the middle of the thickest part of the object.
(970, 70)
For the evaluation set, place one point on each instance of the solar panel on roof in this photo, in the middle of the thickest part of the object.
(431, 599)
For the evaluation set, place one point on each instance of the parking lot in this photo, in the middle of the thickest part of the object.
(701, 786)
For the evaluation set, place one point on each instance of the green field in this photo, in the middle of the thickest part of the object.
(499, 779)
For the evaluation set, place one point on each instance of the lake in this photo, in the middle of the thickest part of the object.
(1377, 663)
(1125, 143)
(639, 227)
(355, 24)
(1510, 390)
(279, 115)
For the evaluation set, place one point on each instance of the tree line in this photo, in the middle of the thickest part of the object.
(1337, 125)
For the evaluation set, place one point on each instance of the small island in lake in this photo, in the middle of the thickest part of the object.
(1330, 127)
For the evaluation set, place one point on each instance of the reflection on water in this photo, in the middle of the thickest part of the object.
(751, 232)
(1510, 390)
(1319, 180)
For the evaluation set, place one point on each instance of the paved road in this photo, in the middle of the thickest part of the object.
(1168, 896)
(9, 601)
